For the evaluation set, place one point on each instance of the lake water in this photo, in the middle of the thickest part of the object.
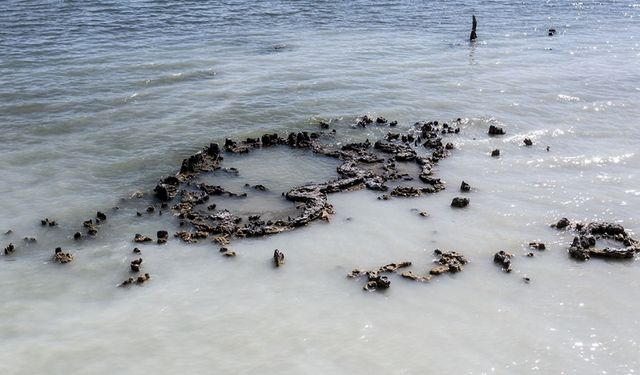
(98, 101)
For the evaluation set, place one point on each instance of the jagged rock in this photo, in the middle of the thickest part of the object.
(423, 213)
(465, 187)
(495, 130)
(140, 238)
(278, 258)
(503, 259)
(62, 257)
(393, 123)
(381, 120)
(101, 216)
(163, 236)
(136, 251)
(449, 261)
(495, 153)
(10, 249)
(459, 202)
(528, 142)
(77, 235)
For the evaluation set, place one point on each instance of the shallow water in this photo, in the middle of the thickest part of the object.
(98, 101)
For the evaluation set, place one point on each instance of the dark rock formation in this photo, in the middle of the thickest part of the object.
(163, 236)
(528, 142)
(495, 153)
(465, 187)
(537, 245)
(495, 130)
(278, 258)
(503, 259)
(459, 202)
(136, 265)
(473, 36)
(10, 249)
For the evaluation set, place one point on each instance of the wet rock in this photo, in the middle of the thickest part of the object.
(140, 238)
(381, 120)
(222, 240)
(364, 121)
(423, 213)
(77, 235)
(465, 187)
(163, 236)
(136, 251)
(62, 257)
(561, 224)
(449, 146)
(530, 255)
(10, 249)
(150, 209)
(495, 153)
(460, 202)
(393, 123)
(138, 213)
(167, 188)
(227, 253)
(376, 282)
(48, 222)
(537, 245)
(412, 276)
(551, 32)
(324, 125)
(136, 265)
(526, 279)
(406, 191)
(503, 259)
(278, 258)
(188, 237)
(143, 279)
(528, 142)
(29, 240)
(260, 187)
(8, 232)
(101, 216)
(448, 261)
(495, 130)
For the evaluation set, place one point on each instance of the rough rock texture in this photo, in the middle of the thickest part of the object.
(584, 245)
(62, 257)
(460, 202)
(448, 261)
(375, 279)
(364, 165)
(503, 259)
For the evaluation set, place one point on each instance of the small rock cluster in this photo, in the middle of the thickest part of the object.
(584, 244)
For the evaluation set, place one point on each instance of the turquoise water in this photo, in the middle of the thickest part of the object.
(99, 100)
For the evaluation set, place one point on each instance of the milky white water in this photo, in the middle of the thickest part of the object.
(98, 101)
